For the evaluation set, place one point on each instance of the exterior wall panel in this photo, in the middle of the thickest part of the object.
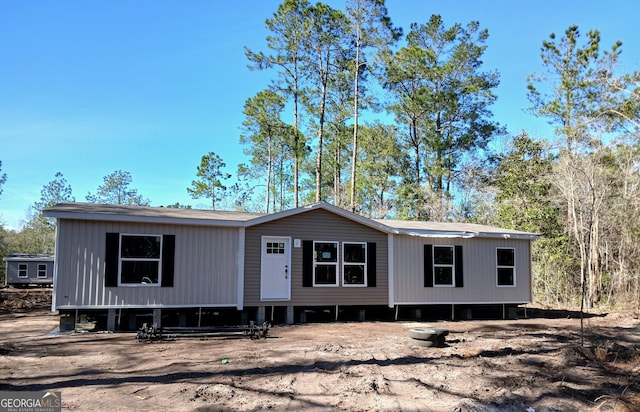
(479, 266)
(318, 225)
(205, 267)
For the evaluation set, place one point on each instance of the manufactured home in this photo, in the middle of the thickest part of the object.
(130, 264)
(29, 269)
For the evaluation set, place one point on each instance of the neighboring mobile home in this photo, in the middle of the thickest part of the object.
(29, 269)
(176, 266)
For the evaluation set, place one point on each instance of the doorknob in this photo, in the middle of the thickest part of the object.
(286, 271)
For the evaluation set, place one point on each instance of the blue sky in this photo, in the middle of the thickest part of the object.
(149, 86)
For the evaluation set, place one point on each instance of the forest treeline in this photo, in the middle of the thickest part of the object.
(394, 122)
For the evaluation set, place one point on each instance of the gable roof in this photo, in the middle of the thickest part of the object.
(324, 206)
(121, 213)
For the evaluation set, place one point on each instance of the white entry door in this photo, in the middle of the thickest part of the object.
(275, 275)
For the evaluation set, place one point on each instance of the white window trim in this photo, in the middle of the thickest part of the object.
(366, 276)
(326, 285)
(26, 270)
(452, 266)
(39, 271)
(121, 259)
(506, 267)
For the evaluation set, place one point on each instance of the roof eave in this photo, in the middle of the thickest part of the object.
(143, 219)
(435, 234)
(526, 236)
(31, 259)
(465, 234)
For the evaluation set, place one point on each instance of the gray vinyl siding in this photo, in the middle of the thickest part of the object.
(479, 266)
(205, 267)
(318, 225)
(12, 270)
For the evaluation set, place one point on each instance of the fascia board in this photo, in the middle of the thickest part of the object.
(466, 235)
(144, 219)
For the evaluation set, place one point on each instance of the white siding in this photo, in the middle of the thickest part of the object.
(479, 266)
(206, 267)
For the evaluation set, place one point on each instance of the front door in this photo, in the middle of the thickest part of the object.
(275, 275)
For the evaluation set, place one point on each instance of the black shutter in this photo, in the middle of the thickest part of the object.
(459, 275)
(112, 249)
(371, 264)
(168, 259)
(307, 263)
(428, 266)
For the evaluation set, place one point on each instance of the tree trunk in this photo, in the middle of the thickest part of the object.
(323, 103)
(269, 165)
(296, 136)
(281, 172)
(337, 191)
(413, 136)
(594, 262)
(354, 154)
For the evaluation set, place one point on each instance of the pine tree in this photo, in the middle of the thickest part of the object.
(210, 184)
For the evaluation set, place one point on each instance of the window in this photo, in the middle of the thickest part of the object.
(506, 266)
(354, 264)
(140, 259)
(22, 270)
(42, 271)
(133, 260)
(275, 248)
(443, 265)
(322, 267)
(325, 263)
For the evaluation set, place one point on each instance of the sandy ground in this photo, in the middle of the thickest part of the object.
(518, 365)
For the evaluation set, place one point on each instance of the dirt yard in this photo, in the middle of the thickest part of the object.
(517, 365)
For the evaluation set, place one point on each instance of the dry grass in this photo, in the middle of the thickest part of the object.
(601, 353)
(618, 403)
(17, 300)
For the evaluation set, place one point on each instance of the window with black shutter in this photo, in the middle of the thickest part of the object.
(139, 260)
(331, 263)
(443, 266)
